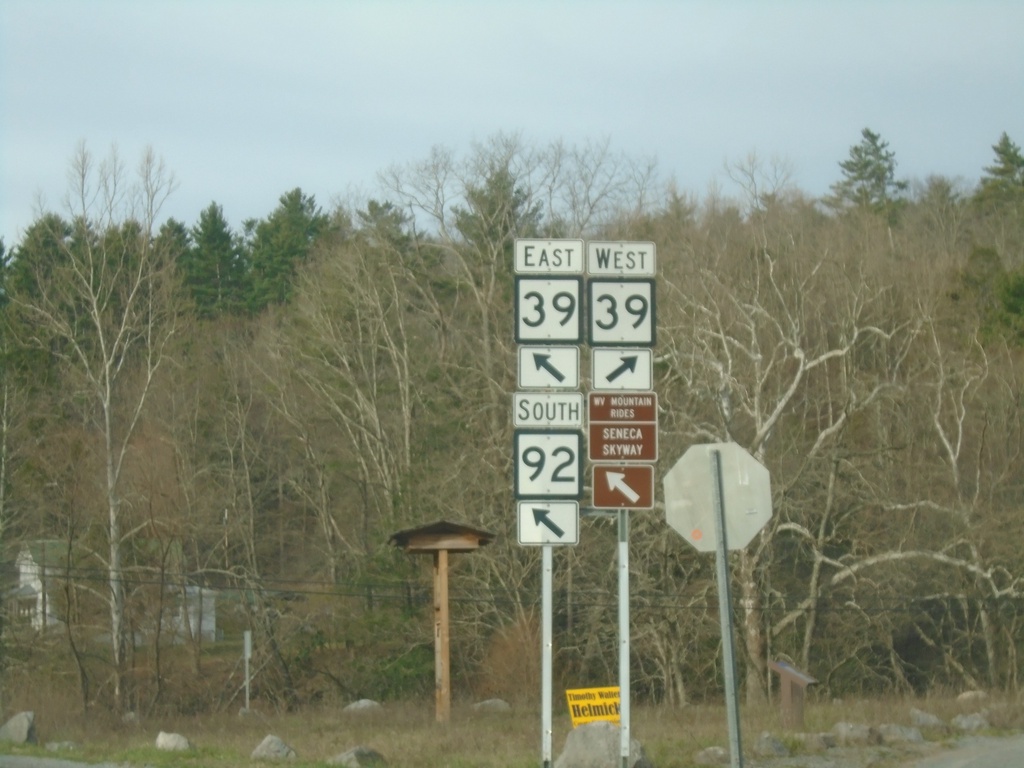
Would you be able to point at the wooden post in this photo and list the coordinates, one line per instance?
(442, 674)
(440, 538)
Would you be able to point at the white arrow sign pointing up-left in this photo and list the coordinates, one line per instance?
(617, 482)
(549, 367)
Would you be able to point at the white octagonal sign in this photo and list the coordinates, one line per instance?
(690, 499)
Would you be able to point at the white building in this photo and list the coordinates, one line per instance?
(201, 607)
(37, 565)
(40, 567)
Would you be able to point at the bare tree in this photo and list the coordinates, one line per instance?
(105, 308)
(358, 371)
(756, 334)
(969, 421)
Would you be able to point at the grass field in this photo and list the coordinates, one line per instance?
(408, 736)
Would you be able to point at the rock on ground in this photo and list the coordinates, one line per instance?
(856, 734)
(922, 719)
(273, 748)
(598, 745)
(359, 757)
(899, 734)
(21, 729)
(363, 706)
(816, 742)
(973, 722)
(172, 742)
(766, 745)
(712, 756)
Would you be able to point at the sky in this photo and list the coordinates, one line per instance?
(246, 100)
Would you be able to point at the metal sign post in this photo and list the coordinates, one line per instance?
(545, 656)
(695, 505)
(622, 411)
(725, 613)
(619, 296)
(247, 654)
(547, 442)
(624, 637)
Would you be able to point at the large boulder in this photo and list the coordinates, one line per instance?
(20, 729)
(172, 742)
(598, 745)
(273, 748)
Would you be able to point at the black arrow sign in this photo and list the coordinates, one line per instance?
(628, 364)
(540, 517)
(543, 362)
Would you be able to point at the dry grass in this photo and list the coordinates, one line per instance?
(409, 737)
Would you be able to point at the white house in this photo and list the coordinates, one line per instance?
(201, 605)
(37, 565)
(39, 568)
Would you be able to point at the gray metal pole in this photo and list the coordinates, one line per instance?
(725, 613)
(246, 653)
(624, 637)
(545, 656)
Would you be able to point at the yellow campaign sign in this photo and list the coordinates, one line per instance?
(587, 705)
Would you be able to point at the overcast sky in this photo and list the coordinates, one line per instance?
(247, 100)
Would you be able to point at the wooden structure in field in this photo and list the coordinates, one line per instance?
(792, 686)
(439, 539)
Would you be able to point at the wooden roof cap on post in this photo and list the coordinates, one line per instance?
(441, 535)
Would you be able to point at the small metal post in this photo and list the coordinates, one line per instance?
(545, 655)
(725, 613)
(624, 636)
(247, 654)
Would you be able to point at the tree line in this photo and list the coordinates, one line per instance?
(256, 412)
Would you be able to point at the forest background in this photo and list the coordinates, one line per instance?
(256, 412)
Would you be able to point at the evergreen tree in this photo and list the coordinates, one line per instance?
(1003, 182)
(214, 272)
(40, 251)
(279, 244)
(496, 213)
(385, 224)
(869, 178)
(174, 238)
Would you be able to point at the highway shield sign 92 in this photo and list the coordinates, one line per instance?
(548, 464)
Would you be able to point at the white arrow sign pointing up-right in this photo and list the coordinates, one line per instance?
(614, 369)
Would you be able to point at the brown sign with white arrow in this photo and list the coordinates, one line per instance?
(623, 486)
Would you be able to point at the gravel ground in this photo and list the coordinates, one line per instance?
(967, 752)
(851, 757)
(979, 752)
